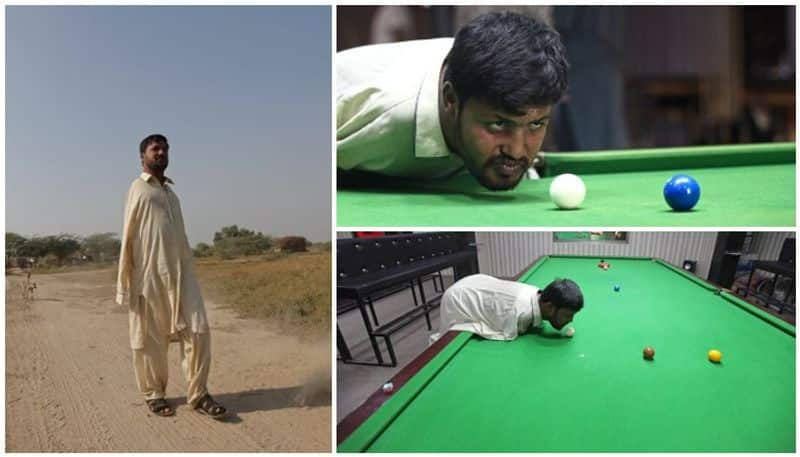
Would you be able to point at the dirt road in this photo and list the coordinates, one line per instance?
(70, 384)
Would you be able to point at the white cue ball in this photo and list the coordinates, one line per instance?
(567, 191)
(388, 388)
(570, 332)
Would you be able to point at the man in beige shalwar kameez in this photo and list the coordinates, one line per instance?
(157, 281)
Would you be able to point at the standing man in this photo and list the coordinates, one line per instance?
(156, 280)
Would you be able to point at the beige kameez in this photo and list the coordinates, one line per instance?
(493, 308)
(156, 279)
(387, 110)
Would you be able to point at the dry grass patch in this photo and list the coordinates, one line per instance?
(292, 289)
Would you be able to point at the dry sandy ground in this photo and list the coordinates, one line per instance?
(70, 384)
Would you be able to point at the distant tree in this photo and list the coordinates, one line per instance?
(62, 246)
(14, 242)
(203, 250)
(233, 241)
(59, 247)
(233, 231)
(34, 247)
(101, 246)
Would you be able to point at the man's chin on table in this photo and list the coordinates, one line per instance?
(502, 174)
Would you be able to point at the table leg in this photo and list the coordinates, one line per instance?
(424, 303)
(372, 310)
(373, 341)
(341, 345)
(392, 357)
(414, 294)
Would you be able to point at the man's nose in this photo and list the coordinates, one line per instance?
(516, 147)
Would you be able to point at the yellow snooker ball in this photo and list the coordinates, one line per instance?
(714, 356)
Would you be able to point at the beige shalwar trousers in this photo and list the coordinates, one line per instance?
(150, 363)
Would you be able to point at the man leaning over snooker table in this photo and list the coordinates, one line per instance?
(502, 310)
(428, 109)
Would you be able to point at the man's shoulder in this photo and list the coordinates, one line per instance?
(139, 188)
(138, 183)
(402, 64)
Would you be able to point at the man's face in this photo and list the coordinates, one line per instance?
(562, 317)
(498, 147)
(156, 157)
(558, 317)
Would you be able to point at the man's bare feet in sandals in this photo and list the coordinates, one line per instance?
(211, 408)
(160, 407)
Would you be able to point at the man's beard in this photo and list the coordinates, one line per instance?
(157, 165)
(478, 173)
(499, 186)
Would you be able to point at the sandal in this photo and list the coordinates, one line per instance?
(160, 407)
(209, 407)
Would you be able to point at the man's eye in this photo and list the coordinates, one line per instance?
(498, 126)
(536, 125)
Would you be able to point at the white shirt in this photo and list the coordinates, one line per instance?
(492, 308)
(156, 266)
(387, 110)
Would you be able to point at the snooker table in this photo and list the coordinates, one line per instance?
(544, 392)
(750, 185)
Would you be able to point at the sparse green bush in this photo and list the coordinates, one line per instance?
(101, 247)
(203, 250)
(233, 241)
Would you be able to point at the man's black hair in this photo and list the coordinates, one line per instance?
(563, 293)
(150, 139)
(511, 61)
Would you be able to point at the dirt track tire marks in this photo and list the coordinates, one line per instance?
(70, 384)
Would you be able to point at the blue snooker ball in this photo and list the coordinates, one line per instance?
(616, 288)
(682, 192)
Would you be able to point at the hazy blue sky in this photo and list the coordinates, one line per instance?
(242, 93)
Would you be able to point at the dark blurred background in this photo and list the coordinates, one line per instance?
(640, 76)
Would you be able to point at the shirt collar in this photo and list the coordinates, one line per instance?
(429, 138)
(147, 177)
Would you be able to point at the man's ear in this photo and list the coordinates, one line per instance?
(449, 98)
